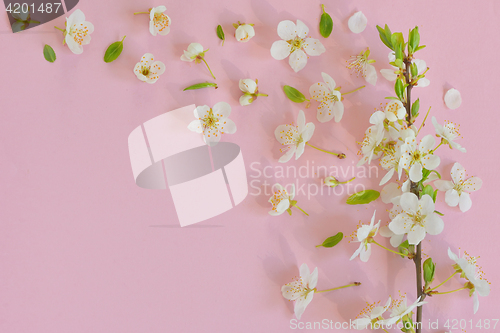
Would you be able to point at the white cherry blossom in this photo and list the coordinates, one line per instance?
(159, 22)
(361, 65)
(281, 199)
(415, 158)
(295, 44)
(401, 310)
(365, 235)
(77, 31)
(391, 74)
(370, 316)
(330, 99)
(244, 32)
(213, 122)
(458, 189)
(417, 218)
(453, 99)
(449, 132)
(301, 290)
(148, 70)
(294, 137)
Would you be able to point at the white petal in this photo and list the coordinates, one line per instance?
(301, 121)
(313, 47)
(280, 50)
(195, 48)
(301, 304)
(313, 279)
(396, 240)
(338, 111)
(386, 232)
(476, 302)
(280, 130)
(73, 45)
(465, 202)
(283, 206)
(401, 224)
(472, 184)
(390, 191)
(298, 60)
(195, 126)
(434, 225)
(371, 74)
(301, 29)
(330, 82)
(377, 117)
(428, 142)
(222, 110)
(421, 65)
(147, 60)
(227, 126)
(308, 132)
(443, 185)
(457, 173)
(300, 150)
(248, 85)
(416, 235)
(365, 253)
(423, 82)
(482, 287)
(76, 18)
(246, 100)
(319, 91)
(288, 155)
(452, 198)
(287, 30)
(389, 74)
(409, 202)
(361, 323)
(357, 252)
(304, 272)
(416, 172)
(325, 113)
(357, 22)
(157, 68)
(431, 162)
(452, 99)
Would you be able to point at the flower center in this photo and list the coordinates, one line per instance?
(210, 121)
(161, 21)
(78, 32)
(418, 219)
(296, 43)
(453, 129)
(145, 71)
(357, 64)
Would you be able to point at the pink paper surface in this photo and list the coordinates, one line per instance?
(84, 249)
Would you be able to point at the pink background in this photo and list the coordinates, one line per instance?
(83, 249)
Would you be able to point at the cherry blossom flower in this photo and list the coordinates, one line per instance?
(449, 132)
(148, 70)
(294, 137)
(301, 290)
(213, 122)
(331, 99)
(281, 199)
(373, 137)
(415, 159)
(401, 309)
(417, 218)
(357, 22)
(196, 53)
(295, 44)
(458, 189)
(361, 65)
(468, 269)
(159, 22)
(365, 236)
(250, 90)
(453, 99)
(244, 32)
(371, 316)
(23, 20)
(77, 31)
(395, 111)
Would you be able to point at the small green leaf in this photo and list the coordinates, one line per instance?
(394, 98)
(414, 70)
(385, 36)
(413, 40)
(415, 107)
(294, 95)
(398, 87)
(398, 50)
(332, 241)
(397, 38)
(220, 34)
(325, 23)
(428, 189)
(114, 51)
(48, 53)
(201, 86)
(429, 270)
(434, 196)
(363, 197)
(419, 48)
(404, 248)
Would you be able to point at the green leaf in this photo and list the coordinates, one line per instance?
(398, 50)
(429, 190)
(414, 70)
(404, 248)
(385, 36)
(325, 24)
(413, 40)
(363, 197)
(419, 48)
(398, 87)
(397, 38)
(434, 196)
(294, 95)
(48, 53)
(439, 213)
(415, 107)
(429, 270)
(114, 51)
(201, 86)
(394, 98)
(220, 34)
(332, 241)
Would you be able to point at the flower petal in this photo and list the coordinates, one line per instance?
(409, 202)
(196, 126)
(338, 111)
(313, 279)
(288, 155)
(330, 82)
(319, 91)
(195, 48)
(472, 184)
(431, 162)
(416, 235)
(201, 111)
(443, 185)
(324, 113)
(227, 126)
(287, 30)
(357, 252)
(248, 85)
(73, 45)
(465, 203)
(301, 304)
(416, 172)
(434, 225)
(300, 150)
(298, 60)
(221, 110)
(452, 99)
(157, 68)
(147, 60)
(366, 251)
(357, 22)
(389, 74)
(452, 198)
(308, 132)
(313, 47)
(458, 173)
(280, 50)
(246, 100)
(390, 191)
(301, 29)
